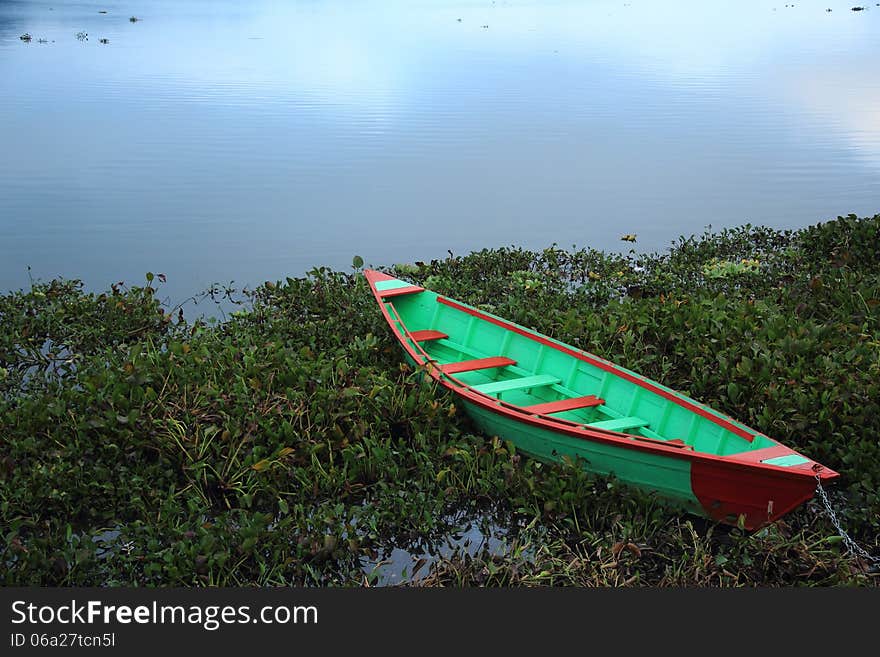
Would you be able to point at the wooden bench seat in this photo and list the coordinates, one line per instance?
(619, 424)
(428, 334)
(497, 387)
(397, 291)
(564, 405)
(476, 364)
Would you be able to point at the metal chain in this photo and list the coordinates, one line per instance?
(851, 546)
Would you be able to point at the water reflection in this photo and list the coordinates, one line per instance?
(466, 534)
(218, 141)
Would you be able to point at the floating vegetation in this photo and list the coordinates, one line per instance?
(291, 445)
(717, 268)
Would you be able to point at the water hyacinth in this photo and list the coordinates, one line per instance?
(291, 444)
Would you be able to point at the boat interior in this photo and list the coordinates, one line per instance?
(532, 375)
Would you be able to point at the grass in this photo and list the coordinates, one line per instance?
(289, 444)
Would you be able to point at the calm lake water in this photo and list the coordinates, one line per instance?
(215, 140)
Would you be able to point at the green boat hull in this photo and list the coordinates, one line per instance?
(554, 401)
(668, 477)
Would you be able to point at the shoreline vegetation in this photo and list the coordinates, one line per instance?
(290, 445)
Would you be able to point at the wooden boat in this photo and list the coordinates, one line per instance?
(552, 400)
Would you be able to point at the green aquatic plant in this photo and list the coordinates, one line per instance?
(716, 268)
(290, 444)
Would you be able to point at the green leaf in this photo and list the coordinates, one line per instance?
(733, 391)
(357, 262)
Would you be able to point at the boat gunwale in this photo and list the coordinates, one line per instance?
(809, 470)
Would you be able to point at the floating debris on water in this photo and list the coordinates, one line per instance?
(82, 36)
(26, 37)
(133, 19)
(104, 41)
